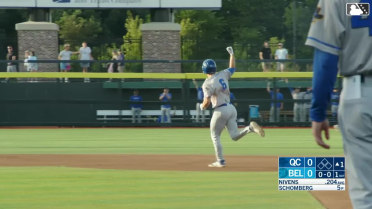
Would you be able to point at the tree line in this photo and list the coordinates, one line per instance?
(240, 23)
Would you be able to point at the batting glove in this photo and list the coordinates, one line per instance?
(201, 106)
(230, 50)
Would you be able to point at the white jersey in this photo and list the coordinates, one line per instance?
(349, 37)
(217, 88)
(281, 54)
(308, 96)
(65, 55)
(297, 96)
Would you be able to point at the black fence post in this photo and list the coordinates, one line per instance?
(185, 99)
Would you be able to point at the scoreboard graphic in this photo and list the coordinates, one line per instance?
(311, 173)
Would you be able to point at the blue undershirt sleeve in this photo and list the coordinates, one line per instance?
(232, 70)
(325, 74)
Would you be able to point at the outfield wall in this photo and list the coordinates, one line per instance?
(75, 103)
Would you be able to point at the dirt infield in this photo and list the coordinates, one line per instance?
(336, 199)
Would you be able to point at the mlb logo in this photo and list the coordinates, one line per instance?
(357, 9)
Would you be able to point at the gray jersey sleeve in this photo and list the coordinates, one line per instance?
(227, 74)
(348, 37)
(328, 26)
(207, 89)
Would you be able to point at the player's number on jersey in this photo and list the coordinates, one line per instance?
(223, 84)
(362, 22)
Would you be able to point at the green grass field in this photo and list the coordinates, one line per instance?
(281, 142)
(61, 187)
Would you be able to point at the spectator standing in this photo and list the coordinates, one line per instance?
(275, 107)
(12, 66)
(165, 108)
(121, 64)
(265, 54)
(65, 54)
(136, 106)
(32, 66)
(200, 97)
(113, 66)
(85, 55)
(281, 54)
(26, 64)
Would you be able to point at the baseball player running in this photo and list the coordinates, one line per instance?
(216, 91)
(345, 42)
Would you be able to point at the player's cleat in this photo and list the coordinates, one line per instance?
(254, 127)
(217, 164)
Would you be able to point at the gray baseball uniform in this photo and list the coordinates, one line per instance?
(224, 115)
(350, 38)
(297, 106)
(305, 113)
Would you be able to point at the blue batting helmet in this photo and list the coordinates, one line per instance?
(209, 66)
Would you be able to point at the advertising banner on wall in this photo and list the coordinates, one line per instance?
(67, 3)
(17, 3)
(129, 3)
(206, 4)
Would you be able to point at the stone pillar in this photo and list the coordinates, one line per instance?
(161, 41)
(42, 38)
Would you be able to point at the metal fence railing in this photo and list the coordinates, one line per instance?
(187, 66)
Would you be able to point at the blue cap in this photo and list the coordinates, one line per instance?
(209, 66)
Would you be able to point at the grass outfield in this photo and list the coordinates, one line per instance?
(72, 188)
(282, 142)
(75, 188)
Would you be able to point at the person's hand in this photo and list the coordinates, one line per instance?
(202, 107)
(317, 129)
(230, 50)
